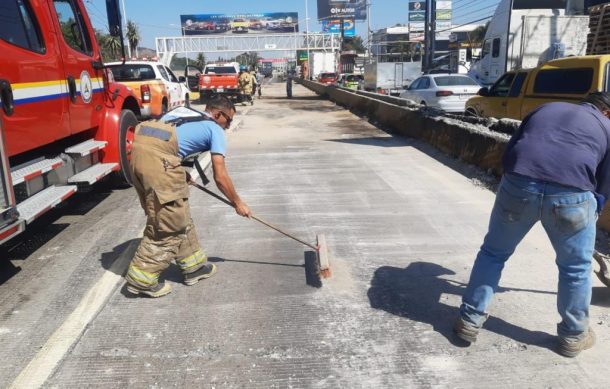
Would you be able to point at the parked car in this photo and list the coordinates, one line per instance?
(327, 78)
(240, 25)
(448, 92)
(156, 86)
(517, 93)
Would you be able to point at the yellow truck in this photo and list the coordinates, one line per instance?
(518, 92)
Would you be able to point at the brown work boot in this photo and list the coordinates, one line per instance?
(205, 271)
(159, 290)
(571, 348)
(466, 331)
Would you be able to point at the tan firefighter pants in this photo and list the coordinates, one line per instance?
(161, 184)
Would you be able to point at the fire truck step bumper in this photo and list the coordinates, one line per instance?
(87, 147)
(35, 170)
(93, 174)
(9, 231)
(43, 201)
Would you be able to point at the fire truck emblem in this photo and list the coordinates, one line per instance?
(86, 87)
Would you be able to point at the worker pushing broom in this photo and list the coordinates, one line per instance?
(159, 149)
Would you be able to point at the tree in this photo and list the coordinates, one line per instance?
(354, 44)
(113, 46)
(478, 34)
(133, 36)
(248, 59)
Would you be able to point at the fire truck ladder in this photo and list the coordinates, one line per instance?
(167, 47)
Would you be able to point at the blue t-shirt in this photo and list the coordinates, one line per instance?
(563, 143)
(196, 137)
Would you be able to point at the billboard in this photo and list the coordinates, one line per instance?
(261, 23)
(331, 9)
(334, 27)
(443, 5)
(443, 14)
(417, 6)
(417, 15)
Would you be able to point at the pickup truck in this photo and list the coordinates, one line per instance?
(154, 84)
(518, 92)
(219, 79)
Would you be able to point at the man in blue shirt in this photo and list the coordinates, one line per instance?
(162, 185)
(556, 171)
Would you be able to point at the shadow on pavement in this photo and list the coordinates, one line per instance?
(415, 293)
(601, 296)
(372, 141)
(7, 270)
(126, 248)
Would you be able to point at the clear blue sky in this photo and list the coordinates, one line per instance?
(156, 18)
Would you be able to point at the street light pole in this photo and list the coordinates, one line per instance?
(125, 21)
(307, 39)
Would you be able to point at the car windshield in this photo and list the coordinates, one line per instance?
(220, 70)
(454, 81)
(354, 78)
(132, 72)
(327, 75)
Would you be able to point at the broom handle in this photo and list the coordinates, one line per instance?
(218, 197)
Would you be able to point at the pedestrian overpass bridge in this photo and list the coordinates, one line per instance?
(167, 47)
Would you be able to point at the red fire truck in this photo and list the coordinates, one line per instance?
(64, 122)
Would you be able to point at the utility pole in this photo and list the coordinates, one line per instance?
(125, 21)
(308, 75)
(368, 19)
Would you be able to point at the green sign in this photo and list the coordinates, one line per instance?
(302, 55)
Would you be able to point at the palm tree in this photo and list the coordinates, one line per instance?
(113, 44)
(133, 36)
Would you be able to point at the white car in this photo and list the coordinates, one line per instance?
(446, 91)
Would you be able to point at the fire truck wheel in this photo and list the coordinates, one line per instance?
(127, 127)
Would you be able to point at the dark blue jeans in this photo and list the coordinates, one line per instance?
(569, 218)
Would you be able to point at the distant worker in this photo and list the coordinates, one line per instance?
(259, 83)
(289, 77)
(255, 84)
(556, 171)
(161, 183)
(246, 85)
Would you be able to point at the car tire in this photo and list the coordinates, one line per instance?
(127, 126)
(163, 107)
(187, 101)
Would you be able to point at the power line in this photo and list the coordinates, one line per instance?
(465, 24)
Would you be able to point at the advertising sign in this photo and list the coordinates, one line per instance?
(417, 26)
(417, 6)
(443, 14)
(443, 5)
(443, 30)
(261, 23)
(334, 27)
(416, 36)
(417, 16)
(332, 9)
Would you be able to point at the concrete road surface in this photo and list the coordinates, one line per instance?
(403, 224)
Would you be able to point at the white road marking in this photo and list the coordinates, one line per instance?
(35, 374)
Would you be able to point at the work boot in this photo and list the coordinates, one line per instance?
(571, 348)
(159, 290)
(466, 331)
(206, 271)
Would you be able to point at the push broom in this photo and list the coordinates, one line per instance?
(322, 261)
